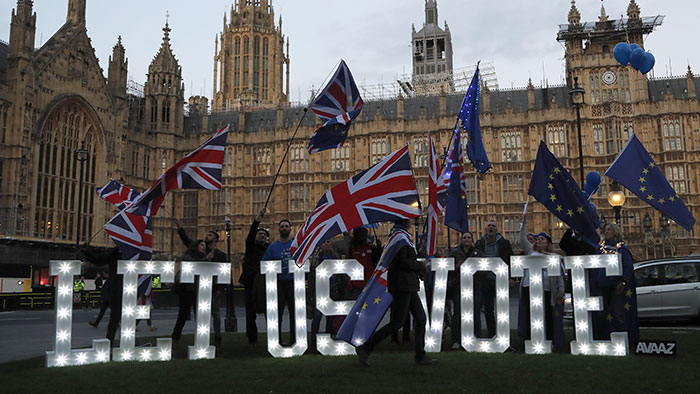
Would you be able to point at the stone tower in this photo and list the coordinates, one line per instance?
(164, 90)
(432, 52)
(22, 31)
(118, 70)
(249, 58)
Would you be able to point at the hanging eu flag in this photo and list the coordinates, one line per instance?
(636, 170)
(456, 206)
(554, 187)
(469, 115)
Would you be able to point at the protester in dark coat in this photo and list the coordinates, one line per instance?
(109, 258)
(492, 244)
(251, 279)
(405, 273)
(215, 255)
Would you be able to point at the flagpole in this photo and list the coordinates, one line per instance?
(274, 181)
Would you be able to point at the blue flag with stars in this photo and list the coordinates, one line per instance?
(554, 187)
(469, 115)
(636, 170)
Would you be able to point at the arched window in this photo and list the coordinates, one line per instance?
(60, 164)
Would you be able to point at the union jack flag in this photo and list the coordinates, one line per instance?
(337, 105)
(117, 194)
(373, 302)
(434, 207)
(384, 192)
(456, 207)
(200, 169)
(133, 234)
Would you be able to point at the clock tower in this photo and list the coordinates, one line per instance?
(589, 54)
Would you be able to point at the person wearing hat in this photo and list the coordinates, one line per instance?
(255, 245)
(553, 293)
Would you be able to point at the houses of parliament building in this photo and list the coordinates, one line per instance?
(66, 129)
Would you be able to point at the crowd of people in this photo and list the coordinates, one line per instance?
(404, 276)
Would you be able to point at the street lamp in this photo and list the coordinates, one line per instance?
(81, 155)
(577, 98)
(231, 322)
(616, 198)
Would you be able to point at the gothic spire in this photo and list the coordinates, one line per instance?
(574, 15)
(633, 11)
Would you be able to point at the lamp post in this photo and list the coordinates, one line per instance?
(577, 98)
(231, 322)
(81, 155)
(616, 198)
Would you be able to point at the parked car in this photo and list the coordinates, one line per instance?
(666, 289)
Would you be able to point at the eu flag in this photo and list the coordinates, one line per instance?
(469, 115)
(456, 205)
(554, 187)
(636, 170)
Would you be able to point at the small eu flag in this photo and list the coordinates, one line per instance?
(554, 187)
(636, 170)
(469, 115)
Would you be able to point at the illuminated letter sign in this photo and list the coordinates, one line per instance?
(583, 303)
(433, 331)
(270, 269)
(62, 353)
(501, 342)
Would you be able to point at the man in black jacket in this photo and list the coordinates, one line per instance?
(213, 255)
(492, 244)
(255, 245)
(405, 272)
(110, 258)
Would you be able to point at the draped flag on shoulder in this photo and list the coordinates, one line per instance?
(434, 207)
(456, 206)
(636, 170)
(469, 115)
(200, 169)
(384, 192)
(133, 234)
(337, 105)
(554, 188)
(375, 299)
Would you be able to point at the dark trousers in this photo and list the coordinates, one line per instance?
(103, 309)
(316, 323)
(251, 329)
(453, 293)
(216, 315)
(402, 303)
(185, 304)
(115, 317)
(484, 296)
(285, 297)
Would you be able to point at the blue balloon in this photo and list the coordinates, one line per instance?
(593, 178)
(634, 46)
(638, 58)
(648, 63)
(622, 53)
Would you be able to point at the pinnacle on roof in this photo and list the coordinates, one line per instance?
(165, 56)
(574, 15)
(603, 16)
(633, 11)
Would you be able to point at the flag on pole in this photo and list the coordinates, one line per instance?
(384, 192)
(456, 207)
(469, 115)
(133, 234)
(373, 302)
(200, 169)
(636, 170)
(434, 207)
(554, 188)
(337, 105)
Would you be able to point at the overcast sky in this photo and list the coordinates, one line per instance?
(373, 36)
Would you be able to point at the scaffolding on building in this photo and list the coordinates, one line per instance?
(410, 85)
(134, 88)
